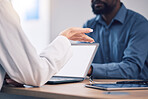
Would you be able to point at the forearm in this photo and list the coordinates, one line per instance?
(25, 66)
(115, 71)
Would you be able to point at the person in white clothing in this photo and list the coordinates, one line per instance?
(19, 59)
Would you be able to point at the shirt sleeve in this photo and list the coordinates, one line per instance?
(20, 59)
(134, 58)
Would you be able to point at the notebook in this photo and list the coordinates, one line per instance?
(76, 69)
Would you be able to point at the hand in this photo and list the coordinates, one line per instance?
(78, 34)
(90, 71)
(11, 82)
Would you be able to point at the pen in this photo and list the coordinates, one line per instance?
(94, 82)
(91, 79)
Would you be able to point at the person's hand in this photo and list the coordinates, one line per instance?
(11, 82)
(78, 34)
(90, 71)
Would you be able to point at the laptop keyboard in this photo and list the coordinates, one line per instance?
(61, 78)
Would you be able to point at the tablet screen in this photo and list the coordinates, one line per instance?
(117, 86)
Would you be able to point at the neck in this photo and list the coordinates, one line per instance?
(108, 17)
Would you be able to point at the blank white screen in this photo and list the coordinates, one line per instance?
(79, 63)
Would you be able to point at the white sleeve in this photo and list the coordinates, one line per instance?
(19, 58)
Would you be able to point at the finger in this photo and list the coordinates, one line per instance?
(87, 38)
(86, 30)
(83, 39)
(82, 30)
(14, 83)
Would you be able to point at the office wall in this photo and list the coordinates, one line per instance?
(139, 6)
(68, 13)
(36, 27)
(74, 13)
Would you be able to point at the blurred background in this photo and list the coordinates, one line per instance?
(43, 20)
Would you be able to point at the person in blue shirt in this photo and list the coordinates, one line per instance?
(122, 35)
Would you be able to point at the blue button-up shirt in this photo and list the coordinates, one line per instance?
(123, 46)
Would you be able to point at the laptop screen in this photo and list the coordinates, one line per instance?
(80, 62)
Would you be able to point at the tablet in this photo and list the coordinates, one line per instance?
(111, 87)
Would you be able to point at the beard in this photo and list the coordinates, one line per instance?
(99, 7)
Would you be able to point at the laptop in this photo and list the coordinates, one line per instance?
(76, 69)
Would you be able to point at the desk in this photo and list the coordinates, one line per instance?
(74, 91)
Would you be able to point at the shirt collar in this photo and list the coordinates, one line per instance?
(120, 16)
